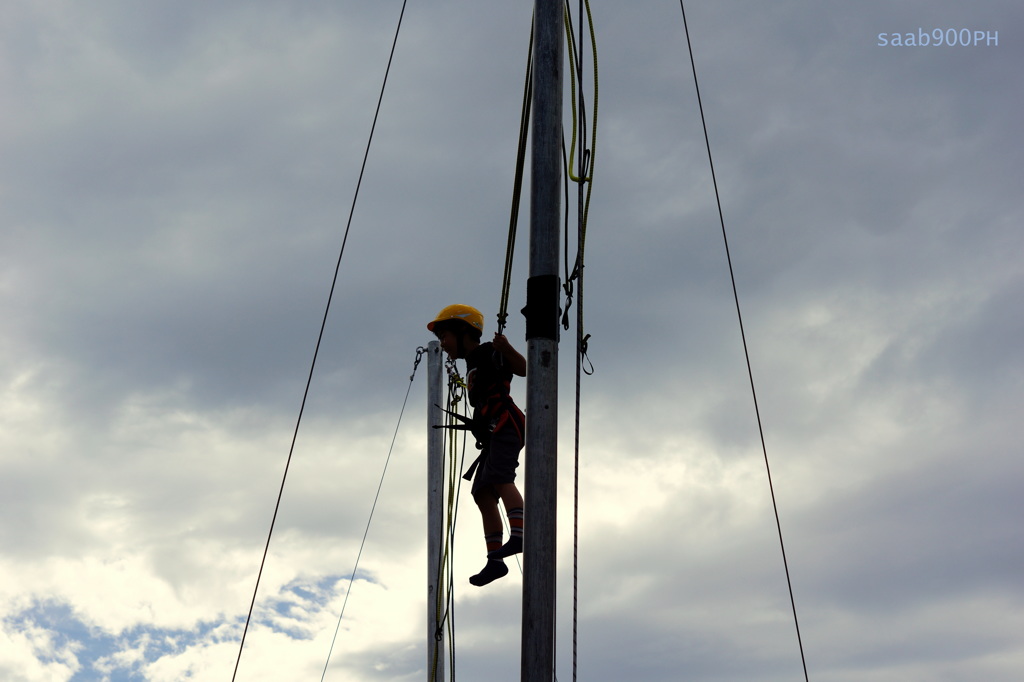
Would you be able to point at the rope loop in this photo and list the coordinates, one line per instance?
(584, 357)
(568, 289)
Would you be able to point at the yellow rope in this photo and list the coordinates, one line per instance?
(572, 83)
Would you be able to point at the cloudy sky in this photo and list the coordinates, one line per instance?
(175, 181)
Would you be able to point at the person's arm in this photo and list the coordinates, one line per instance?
(516, 362)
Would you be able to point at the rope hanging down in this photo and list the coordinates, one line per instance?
(743, 336)
(585, 177)
(316, 351)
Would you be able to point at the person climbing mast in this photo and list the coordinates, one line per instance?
(498, 425)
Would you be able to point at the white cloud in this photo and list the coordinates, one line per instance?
(175, 182)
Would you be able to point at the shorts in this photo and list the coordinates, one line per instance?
(499, 459)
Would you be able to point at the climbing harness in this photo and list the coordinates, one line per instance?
(494, 410)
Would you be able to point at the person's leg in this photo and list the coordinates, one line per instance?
(513, 501)
(495, 568)
(510, 495)
(487, 503)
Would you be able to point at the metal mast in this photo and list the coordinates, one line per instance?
(542, 312)
(435, 510)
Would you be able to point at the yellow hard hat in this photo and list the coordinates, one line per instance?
(466, 313)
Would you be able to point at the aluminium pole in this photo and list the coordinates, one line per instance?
(435, 510)
(542, 312)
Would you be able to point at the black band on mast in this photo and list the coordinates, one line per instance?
(542, 311)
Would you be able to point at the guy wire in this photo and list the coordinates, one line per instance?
(743, 336)
(351, 579)
(316, 351)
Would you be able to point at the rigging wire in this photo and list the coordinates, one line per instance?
(351, 579)
(316, 351)
(746, 352)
